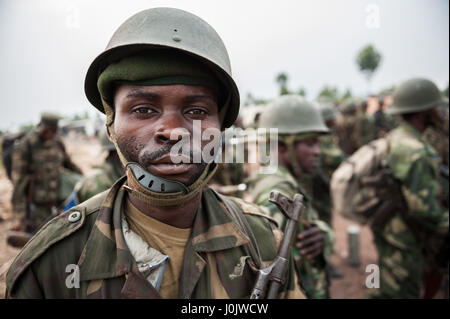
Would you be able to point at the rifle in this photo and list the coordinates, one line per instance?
(270, 279)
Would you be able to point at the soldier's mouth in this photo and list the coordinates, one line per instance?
(167, 165)
(169, 168)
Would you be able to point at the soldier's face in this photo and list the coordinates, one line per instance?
(47, 132)
(308, 154)
(148, 120)
(436, 118)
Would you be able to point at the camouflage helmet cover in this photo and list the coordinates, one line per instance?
(415, 95)
(167, 28)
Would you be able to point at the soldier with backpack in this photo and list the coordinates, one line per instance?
(40, 172)
(392, 184)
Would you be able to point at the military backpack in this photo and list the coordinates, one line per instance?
(363, 188)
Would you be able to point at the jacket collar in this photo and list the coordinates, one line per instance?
(106, 254)
(408, 128)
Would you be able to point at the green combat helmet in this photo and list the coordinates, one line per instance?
(293, 114)
(415, 95)
(49, 118)
(348, 106)
(328, 111)
(296, 119)
(171, 29)
(188, 45)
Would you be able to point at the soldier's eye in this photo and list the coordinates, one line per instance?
(143, 110)
(197, 112)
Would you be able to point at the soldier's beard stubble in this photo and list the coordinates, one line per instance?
(132, 151)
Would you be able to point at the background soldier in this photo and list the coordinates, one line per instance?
(101, 179)
(331, 156)
(347, 124)
(299, 125)
(158, 232)
(409, 237)
(41, 170)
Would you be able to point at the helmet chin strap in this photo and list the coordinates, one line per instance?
(152, 189)
(158, 191)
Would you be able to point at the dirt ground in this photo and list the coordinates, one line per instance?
(86, 154)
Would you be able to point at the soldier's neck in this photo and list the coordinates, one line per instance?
(418, 122)
(180, 216)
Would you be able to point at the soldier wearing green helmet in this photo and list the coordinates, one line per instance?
(299, 124)
(331, 154)
(159, 232)
(409, 239)
(41, 171)
(354, 127)
(347, 126)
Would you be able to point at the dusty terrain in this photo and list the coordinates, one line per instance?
(87, 153)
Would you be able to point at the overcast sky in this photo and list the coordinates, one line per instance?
(47, 45)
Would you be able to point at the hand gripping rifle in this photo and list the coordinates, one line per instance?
(270, 279)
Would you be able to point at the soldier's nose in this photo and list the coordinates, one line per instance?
(170, 131)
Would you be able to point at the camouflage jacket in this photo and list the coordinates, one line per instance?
(89, 237)
(413, 163)
(317, 187)
(312, 273)
(100, 180)
(37, 165)
(331, 155)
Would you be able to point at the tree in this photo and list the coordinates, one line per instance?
(347, 95)
(329, 93)
(368, 60)
(282, 79)
(387, 91)
(251, 100)
(301, 91)
(445, 92)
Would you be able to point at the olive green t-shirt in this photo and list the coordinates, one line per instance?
(168, 240)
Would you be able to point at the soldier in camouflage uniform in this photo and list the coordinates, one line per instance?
(354, 127)
(438, 138)
(403, 242)
(39, 161)
(331, 155)
(299, 125)
(158, 232)
(101, 179)
(346, 127)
